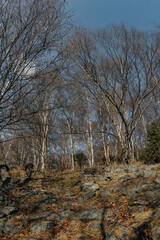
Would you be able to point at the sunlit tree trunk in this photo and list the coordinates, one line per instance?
(44, 133)
(70, 128)
(88, 97)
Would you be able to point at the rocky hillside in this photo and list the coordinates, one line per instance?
(117, 202)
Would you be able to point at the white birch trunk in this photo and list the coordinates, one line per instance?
(104, 144)
(91, 142)
(43, 154)
(87, 149)
(90, 131)
(108, 150)
(71, 141)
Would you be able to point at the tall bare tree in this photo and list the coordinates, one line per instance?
(30, 32)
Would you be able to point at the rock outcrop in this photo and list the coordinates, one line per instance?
(116, 202)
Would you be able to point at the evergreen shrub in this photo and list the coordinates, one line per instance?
(151, 153)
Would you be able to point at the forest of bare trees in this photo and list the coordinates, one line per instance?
(66, 91)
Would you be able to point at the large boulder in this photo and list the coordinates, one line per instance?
(90, 186)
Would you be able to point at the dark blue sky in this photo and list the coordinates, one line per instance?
(143, 14)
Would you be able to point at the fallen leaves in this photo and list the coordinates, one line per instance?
(117, 232)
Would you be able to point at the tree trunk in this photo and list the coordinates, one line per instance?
(43, 154)
(72, 152)
(91, 143)
(87, 150)
(106, 149)
(90, 131)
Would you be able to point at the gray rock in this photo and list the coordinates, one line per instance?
(149, 167)
(42, 227)
(88, 195)
(107, 169)
(155, 194)
(104, 194)
(7, 228)
(90, 186)
(148, 173)
(135, 208)
(106, 177)
(60, 216)
(125, 178)
(133, 168)
(118, 170)
(91, 214)
(7, 211)
(157, 180)
(11, 228)
(136, 189)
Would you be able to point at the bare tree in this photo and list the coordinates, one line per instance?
(30, 32)
(42, 115)
(122, 68)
